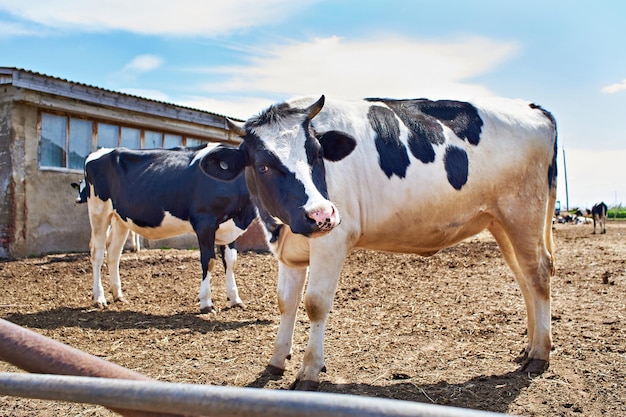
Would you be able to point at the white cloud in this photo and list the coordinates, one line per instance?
(614, 88)
(137, 66)
(143, 63)
(10, 29)
(181, 17)
(389, 66)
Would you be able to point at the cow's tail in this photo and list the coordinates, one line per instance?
(552, 180)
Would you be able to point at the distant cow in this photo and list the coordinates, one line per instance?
(598, 211)
(159, 194)
(396, 175)
(135, 239)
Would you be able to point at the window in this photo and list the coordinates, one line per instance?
(108, 135)
(171, 141)
(131, 138)
(66, 141)
(80, 143)
(153, 140)
(193, 142)
(53, 133)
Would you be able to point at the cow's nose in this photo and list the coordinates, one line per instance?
(326, 217)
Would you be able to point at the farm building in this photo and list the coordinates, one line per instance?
(49, 125)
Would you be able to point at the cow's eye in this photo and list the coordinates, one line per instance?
(262, 168)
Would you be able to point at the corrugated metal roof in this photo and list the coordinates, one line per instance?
(36, 81)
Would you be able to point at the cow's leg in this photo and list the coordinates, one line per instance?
(326, 263)
(206, 241)
(290, 285)
(99, 219)
(525, 249)
(229, 257)
(115, 246)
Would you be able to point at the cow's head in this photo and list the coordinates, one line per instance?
(83, 191)
(284, 161)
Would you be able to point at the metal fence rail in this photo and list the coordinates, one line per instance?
(205, 400)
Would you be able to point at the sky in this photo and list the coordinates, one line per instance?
(237, 57)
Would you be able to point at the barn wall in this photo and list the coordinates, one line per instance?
(6, 228)
(46, 217)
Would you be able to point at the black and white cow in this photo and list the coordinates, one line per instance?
(159, 194)
(598, 211)
(411, 176)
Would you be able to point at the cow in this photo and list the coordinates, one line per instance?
(158, 194)
(598, 211)
(135, 239)
(412, 176)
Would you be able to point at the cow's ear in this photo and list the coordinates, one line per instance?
(224, 163)
(337, 145)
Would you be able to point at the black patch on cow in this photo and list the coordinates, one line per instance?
(461, 117)
(457, 166)
(425, 131)
(393, 157)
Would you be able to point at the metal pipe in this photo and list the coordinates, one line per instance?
(217, 400)
(35, 353)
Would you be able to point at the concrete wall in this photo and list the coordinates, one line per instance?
(6, 194)
(45, 216)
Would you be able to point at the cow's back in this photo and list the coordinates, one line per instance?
(431, 205)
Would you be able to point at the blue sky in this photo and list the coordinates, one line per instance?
(236, 57)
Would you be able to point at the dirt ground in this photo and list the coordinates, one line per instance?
(443, 329)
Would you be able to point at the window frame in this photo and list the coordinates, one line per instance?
(95, 122)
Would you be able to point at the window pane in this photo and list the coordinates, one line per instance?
(194, 142)
(80, 142)
(152, 140)
(107, 135)
(131, 138)
(53, 131)
(170, 141)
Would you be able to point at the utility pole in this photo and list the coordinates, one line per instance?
(566, 191)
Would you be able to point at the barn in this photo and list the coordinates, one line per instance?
(49, 125)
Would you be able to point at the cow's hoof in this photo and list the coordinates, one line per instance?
(100, 304)
(208, 310)
(273, 370)
(239, 305)
(534, 366)
(122, 300)
(304, 385)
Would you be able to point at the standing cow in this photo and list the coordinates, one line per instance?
(159, 194)
(598, 211)
(396, 175)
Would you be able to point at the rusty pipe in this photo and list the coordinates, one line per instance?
(35, 353)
